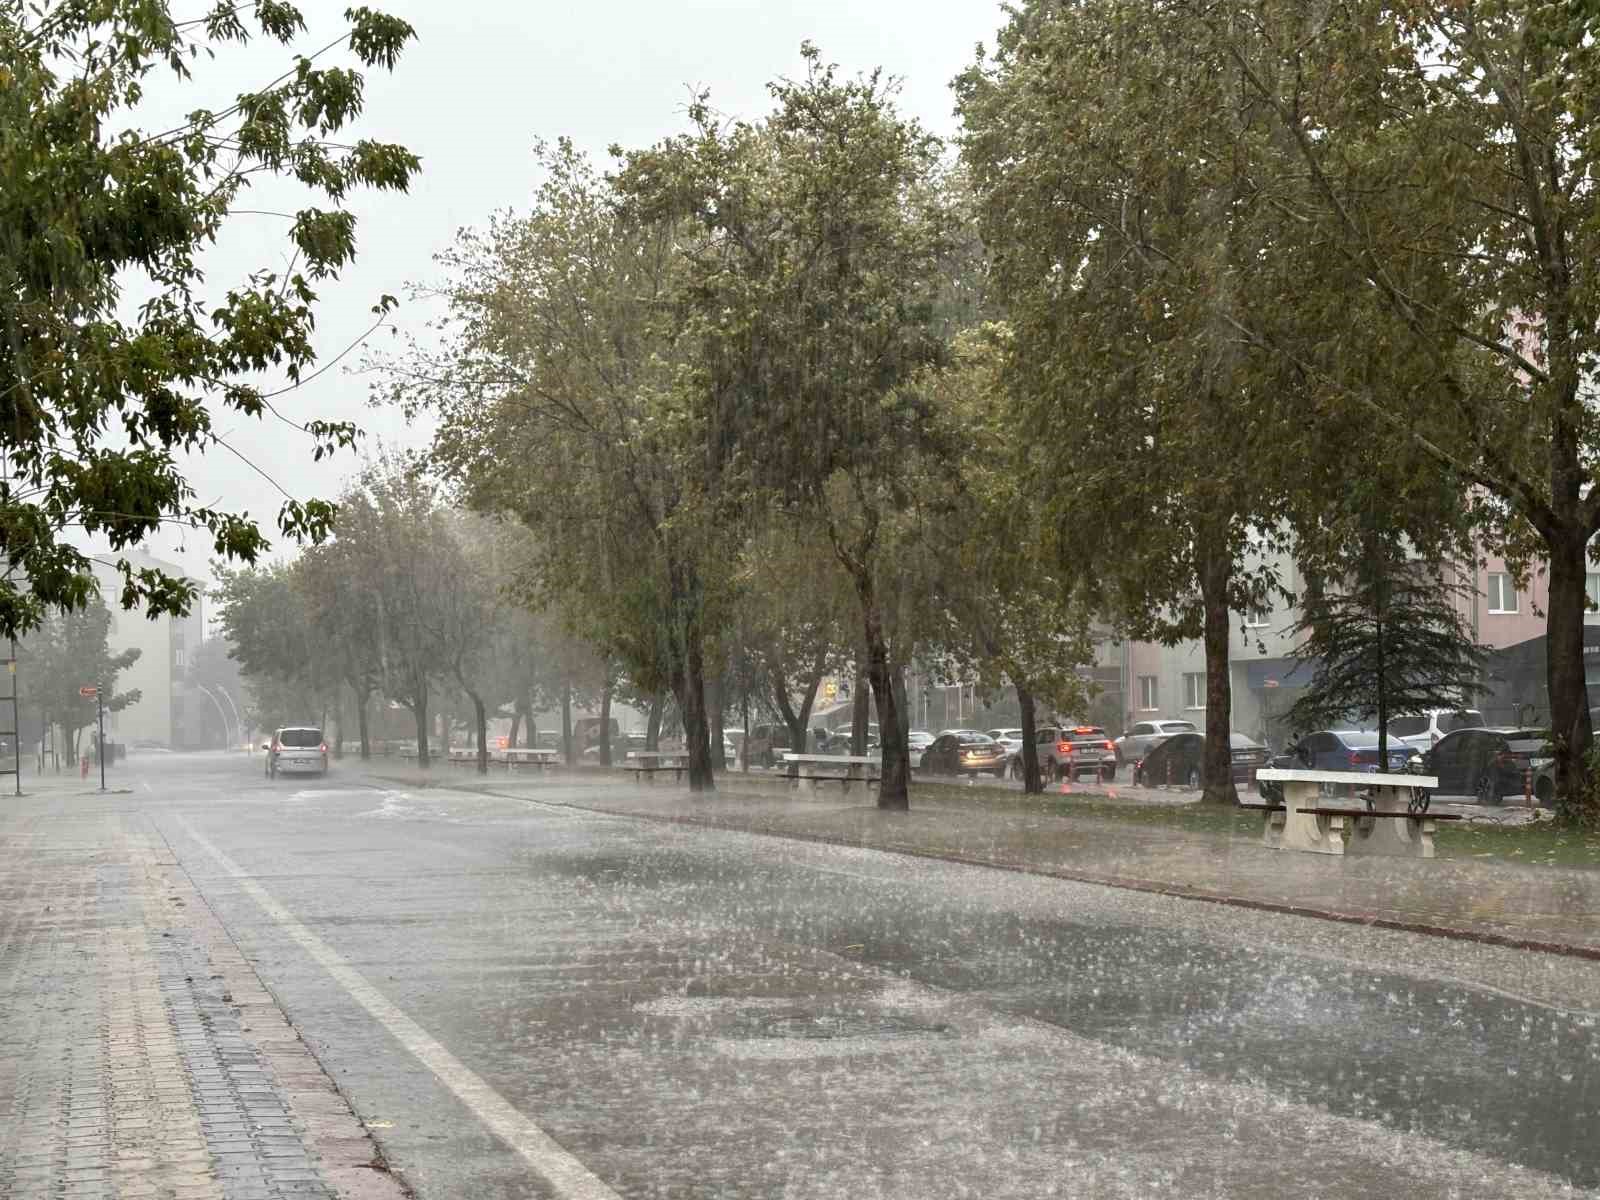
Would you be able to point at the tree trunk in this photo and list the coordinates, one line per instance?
(566, 724)
(860, 714)
(1569, 697)
(1032, 781)
(605, 724)
(516, 727)
(480, 717)
(895, 759)
(744, 739)
(652, 729)
(689, 685)
(1216, 570)
(338, 731)
(364, 724)
(421, 713)
(714, 705)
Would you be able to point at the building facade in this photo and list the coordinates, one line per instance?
(162, 715)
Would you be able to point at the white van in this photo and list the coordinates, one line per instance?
(1424, 731)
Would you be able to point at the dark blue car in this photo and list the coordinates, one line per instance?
(1353, 750)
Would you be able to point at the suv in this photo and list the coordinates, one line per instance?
(297, 748)
(1424, 731)
(1145, 736)
(1065, 753)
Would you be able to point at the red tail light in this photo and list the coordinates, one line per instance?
(1110, 745)
(324, 747)
(1355, 758)
(1063, 747)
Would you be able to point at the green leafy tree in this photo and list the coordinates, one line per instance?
(262, 613)
(814, 248)
(564, 400)
(68, 651)
(1110, 165)
(97, 410)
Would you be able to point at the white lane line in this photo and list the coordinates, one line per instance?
(568, 1177)
(147, 786)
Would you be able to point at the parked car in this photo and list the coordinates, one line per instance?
(968, 753)
(1178, 759)
(1353, 750)
(918, 740)
(297, 749)
(1145, 736)
(768, 744)
(1488, 764)
(1078, 750)
(1426, 730)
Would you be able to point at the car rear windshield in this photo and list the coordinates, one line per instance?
(976, 739)
(1408, 726)
(1469, 718)
(1088, 735)
(300, 739)
(1177, 727)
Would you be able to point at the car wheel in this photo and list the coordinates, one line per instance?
(1545, 792)
(1194, 779)
(1109, 773)
(1486, 791)
(767, 760)
(1016, 769)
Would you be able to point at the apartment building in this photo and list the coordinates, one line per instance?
(1170, 681)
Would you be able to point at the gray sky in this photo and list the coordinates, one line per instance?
(484, 80)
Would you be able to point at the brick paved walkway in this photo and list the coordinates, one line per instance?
(139, 1054)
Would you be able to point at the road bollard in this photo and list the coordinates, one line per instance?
(1169, 772)
(1527, 787)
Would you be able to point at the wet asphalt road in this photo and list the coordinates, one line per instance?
(696, 1013)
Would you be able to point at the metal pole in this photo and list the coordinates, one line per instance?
(238, 721)
(100, 719)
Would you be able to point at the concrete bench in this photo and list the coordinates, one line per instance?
(1393, 824)
(857, 769)
(523, 756)
(645, 763)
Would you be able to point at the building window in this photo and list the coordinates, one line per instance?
(1591, 589)
(1149, 697)
(1502, 594)
(1194, 689)
(1258, 618)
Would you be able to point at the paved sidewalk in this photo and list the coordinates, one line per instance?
(1542, 908)
(139, 1054)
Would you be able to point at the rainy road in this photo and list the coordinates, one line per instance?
(505, 989)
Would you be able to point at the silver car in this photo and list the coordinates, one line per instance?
(1145, 736)
(297, 749)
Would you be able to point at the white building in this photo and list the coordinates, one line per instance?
(161, 715)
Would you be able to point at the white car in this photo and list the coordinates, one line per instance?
(297, 748)
(1010, 741)
(1424, 731)
(1145, 736)
(917, 741)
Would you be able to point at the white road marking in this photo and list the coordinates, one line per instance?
(147, 786)
(569, 1178)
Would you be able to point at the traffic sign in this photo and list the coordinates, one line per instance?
(88, 691)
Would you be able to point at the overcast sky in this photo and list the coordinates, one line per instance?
(483, 80)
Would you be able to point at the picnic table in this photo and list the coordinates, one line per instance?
(645, 763)
(857, 769)
(1390, 818)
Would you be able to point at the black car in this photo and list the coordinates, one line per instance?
(1178, 760)
(964, 754)
(1487, 764)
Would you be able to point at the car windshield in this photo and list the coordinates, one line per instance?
(1176, 726)
(300, 739)
(1467, 718)
(977, 739)
(1088, 735)
(1363, 740)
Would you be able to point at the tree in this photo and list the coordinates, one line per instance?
(1430, 167)
(69, 651)
(565, 400)
(262, 613)
(99, 214)
(1110, 164)
(1387, 640)
(813, 251)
